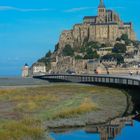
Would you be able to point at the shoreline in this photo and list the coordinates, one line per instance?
(77, 123)
(19, 82)
(106, 113)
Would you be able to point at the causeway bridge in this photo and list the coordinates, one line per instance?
(108, 80)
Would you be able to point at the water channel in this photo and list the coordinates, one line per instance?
(124, 128)
(118, 129)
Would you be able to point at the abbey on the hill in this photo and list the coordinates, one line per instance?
(105, 27)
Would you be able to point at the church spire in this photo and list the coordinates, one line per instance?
(101, 5)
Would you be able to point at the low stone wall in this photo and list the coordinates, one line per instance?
(122, 70)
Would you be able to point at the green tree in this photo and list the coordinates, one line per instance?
(78, 57)
(68, 51)
(95, 55)
(136, 43)
(82, 49)
(124, 37)
(118, 39)
(119, 48)
(103, 45)
(46, 59)
(48, 54)
(118, 57)
(90, 54)
(92, 44)
(56, 47)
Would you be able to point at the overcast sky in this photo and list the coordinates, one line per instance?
(29, 28)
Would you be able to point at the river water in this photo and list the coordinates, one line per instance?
(117, 129)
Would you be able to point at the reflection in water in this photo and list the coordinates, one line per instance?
(107, 131)
(111, 129)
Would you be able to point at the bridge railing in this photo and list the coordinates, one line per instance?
(106, 79)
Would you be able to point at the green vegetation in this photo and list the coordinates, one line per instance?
(89, 46)
(48, 54)
(23, 111)
(86, 106)
(46, 60)
(103, 45)
(119, 48)
(56, 47)
(90, 50)
(136, 43)
(92, 44)
(68, 51)
(90, 54)
(44, 102)
(77, 57)
(118, 57)
(22, 129)
(82, 49)
(125, 38)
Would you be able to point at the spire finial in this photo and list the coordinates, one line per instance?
(101, 5)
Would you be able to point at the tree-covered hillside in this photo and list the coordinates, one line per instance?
(89, 50)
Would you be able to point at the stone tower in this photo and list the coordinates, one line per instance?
(105, 27)
(101, 12)
(25, 71)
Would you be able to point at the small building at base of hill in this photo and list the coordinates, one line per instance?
(25, 71)
(38, 68)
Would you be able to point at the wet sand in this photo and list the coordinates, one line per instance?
(21, 82)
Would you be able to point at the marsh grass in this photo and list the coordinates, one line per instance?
(23, 129)
(54, 100)
(84, 107)
(29, 106)
(47, 103)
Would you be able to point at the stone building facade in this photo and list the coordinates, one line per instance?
(105, 27)
(38, 67)
(69, 64)
(104, 51)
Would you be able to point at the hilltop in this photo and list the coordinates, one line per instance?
(99, 43)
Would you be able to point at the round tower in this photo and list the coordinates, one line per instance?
(25, 71)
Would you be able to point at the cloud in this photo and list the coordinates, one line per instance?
(78, 9)
(10, 8)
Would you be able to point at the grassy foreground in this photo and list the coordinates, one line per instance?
(23, 110)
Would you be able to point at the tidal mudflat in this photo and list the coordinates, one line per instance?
(29, 112)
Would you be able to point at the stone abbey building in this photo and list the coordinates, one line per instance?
(106, 27)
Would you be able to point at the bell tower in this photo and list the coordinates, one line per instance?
(101, 9)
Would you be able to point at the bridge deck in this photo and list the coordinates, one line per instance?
(126, 80)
